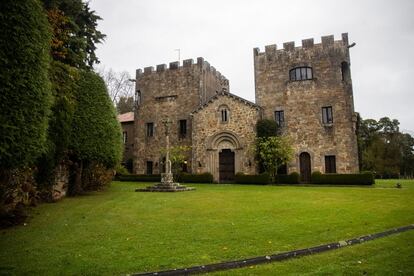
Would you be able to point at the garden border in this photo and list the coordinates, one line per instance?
(277, 257)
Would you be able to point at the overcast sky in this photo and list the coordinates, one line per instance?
(143, 33)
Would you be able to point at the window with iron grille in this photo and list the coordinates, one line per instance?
(150, 129)
(330, 164)
(327, 116)
(280, 117)
(301, 73)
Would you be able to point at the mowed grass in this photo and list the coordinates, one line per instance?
(120, 231)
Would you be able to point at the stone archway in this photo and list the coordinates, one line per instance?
(223, 156)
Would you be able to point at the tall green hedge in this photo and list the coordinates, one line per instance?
(96, 133)
(64, 79)
(25, 95)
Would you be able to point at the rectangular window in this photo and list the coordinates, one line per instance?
(330, 164)
(149, 167)
(280, 117)
(327, 117)
(183, 128)
(124, 137)
(150, 129)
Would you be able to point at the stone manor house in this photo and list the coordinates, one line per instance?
(307, 90)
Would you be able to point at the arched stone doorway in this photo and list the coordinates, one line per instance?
(223, 150)
(226, 165)
(305, 167)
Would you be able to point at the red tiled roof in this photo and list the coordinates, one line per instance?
(126, 117)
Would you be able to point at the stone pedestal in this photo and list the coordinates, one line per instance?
(167, 185)
(167, 182)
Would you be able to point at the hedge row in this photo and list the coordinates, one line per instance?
(292, 178)
(365, 178)
(195, 178)
(184, 178)
(261, 179)
(139, 178)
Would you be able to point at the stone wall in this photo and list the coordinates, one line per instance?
(302, 101)
(128, 127)
(210, 135)
(172, 92)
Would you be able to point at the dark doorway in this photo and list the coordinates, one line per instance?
(305, 167)
(226, 165)
(149, 167)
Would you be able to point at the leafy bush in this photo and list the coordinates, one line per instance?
(195, 178)
(121, 170)
(25, 96)
(261, 179)
(139, 178)
(365, 178)
(292, 178)
(266, 128)
(17, 191)
(96, 177)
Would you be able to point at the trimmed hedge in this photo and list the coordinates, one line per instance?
(96, 133)
(292, 178)
(139, 178)
(261, 179)
(25, 95)
(366, 178)
(195, 178)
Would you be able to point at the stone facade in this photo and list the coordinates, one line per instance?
(172, 93)
(211, 134)
(302, 101)
(128, 136)
(301, 83)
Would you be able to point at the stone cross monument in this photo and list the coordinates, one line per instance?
(167, 180)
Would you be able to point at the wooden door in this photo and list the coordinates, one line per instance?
(226, 165)
(305, 167)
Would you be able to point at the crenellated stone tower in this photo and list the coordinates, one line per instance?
(173, 93)
(308, 91)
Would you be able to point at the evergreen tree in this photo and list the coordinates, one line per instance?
(25, 96)
(96, 134)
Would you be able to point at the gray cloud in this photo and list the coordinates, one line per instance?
(147, 32)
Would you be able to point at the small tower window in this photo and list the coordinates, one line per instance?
(183, 128)
(150, 129)
(301, 73)
(345, 71)
(224, 114)
(124, 137)
(137, 98)
(327, 117)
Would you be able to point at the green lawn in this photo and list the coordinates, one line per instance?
(120, 231)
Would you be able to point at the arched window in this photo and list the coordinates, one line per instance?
(301, 73)
(224, 114)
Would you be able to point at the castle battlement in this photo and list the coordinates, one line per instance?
(326, 42)
(186, 64)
